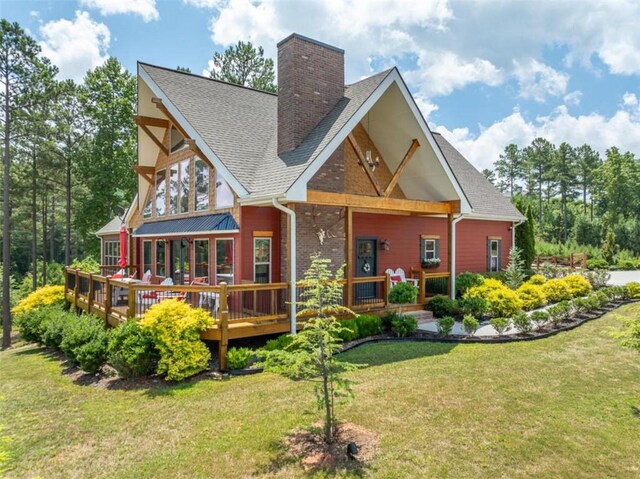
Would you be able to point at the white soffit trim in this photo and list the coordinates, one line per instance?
(132, 208)
(217, 163)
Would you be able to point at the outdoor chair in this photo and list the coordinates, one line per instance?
(398, 276)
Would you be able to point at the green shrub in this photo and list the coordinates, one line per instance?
(497, 275)
(597, 263)
(131, 350)
(368, 325)
(404, 325)
(349, 330)
(603, 298)
(53, 332)
(388, 318)
(633, 290)
(445, 325)
(557, 289)
(84, 342)
(175, 327)
(626, 264)
(470, 324)
(580, 305)
(88, 265)
(501, 325)
(476, 307)
(464, 281)
(532, 296)
(32, 323)
(577, 285)
(238, 358)
(558, 312)
(402, 293)
(597, 278)
(539, 318)
(522, 322)
(442, 305)
(500, 299)
(592, 302)
(280, 343)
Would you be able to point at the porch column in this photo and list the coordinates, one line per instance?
(348, 253)
(451, 251)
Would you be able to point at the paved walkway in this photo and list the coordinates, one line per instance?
(619, 278)
(485, 330)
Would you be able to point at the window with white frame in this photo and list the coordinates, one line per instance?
(261, 260)
(430, 249)
(224, 195)
(493, 255)
(201, 192)
(146, 256)
(111, 252)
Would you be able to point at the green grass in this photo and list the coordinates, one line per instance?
(562, 407)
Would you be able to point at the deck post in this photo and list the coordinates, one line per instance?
(66, 281)
(224, 328)
(451, 262)
(76, 290)
(131, 301)
(422, 285)
(107, 299)
(90, 298)
(387, 288)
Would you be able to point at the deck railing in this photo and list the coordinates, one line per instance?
(573, 261)
(254, 306)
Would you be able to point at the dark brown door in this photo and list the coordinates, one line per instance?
(366, 266)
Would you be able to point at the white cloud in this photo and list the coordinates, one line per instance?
(622, 129)
(538, 81)
(145, 8)
(441, 73)
(425, 106)
(204, 3)
(574, 98)
(75, 46)
(629, 99)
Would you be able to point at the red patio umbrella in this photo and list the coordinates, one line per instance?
(124, 247)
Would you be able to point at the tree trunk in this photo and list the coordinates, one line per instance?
(6, 223)
(34, 221)
(52, 232)
(67, 232)
(584, 198)
(44, 238)
(328, 417)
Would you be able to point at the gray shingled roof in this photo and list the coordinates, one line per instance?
(196, 224)
(112, 227)
(484, 198)
(240, 126)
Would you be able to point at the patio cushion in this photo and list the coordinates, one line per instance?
(396, 277)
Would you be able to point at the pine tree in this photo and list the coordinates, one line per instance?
(509, 169)
(244, 64)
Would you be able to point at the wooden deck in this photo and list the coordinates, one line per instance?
(239, 311)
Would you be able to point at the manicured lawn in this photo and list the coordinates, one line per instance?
(559, 407)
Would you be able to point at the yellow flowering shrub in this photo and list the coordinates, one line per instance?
(532, 296)
(556, 290)
(175, 327)
(501, 300)
(45, 296)
(633, 290)
(578, 285)
(537, 279)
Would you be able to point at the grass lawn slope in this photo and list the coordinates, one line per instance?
(562, 407)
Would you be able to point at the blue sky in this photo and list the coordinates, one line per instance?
(485, 73)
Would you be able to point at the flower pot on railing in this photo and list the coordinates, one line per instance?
(431, 263)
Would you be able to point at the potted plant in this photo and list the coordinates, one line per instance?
(431, 263)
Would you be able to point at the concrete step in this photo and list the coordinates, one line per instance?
(422, 316)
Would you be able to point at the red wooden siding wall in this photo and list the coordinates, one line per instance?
(471, 243)
(254, 219)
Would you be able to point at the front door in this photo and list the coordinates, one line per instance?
(180, 261)
(366, 266)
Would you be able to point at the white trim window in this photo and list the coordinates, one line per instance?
(224, 195)
(261, 260)
(147, 255)
(493, 255)
(111, 252)
(430, 249)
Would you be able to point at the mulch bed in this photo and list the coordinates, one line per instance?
(309, 447)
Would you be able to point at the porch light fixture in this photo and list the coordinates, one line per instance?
(367, 155)
(384, 245)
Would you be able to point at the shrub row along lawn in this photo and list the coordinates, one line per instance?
(562, 407)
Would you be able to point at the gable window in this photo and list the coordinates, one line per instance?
(111, 252)
(183, 192)
(494, 248)
(173, 189)
(161, 193)
(201, 259)
(261, 260)
(161, 264)
(177, 140)
(224, 195)
(202, 185)
(430, 251)
(146, 256)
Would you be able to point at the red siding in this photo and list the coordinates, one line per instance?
(252, 219)
(471, 243)
(403, 234)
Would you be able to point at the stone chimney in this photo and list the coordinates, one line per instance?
(310, 83)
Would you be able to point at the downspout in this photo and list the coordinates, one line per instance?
(513, 231)
(292, 266)
(453, 254)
